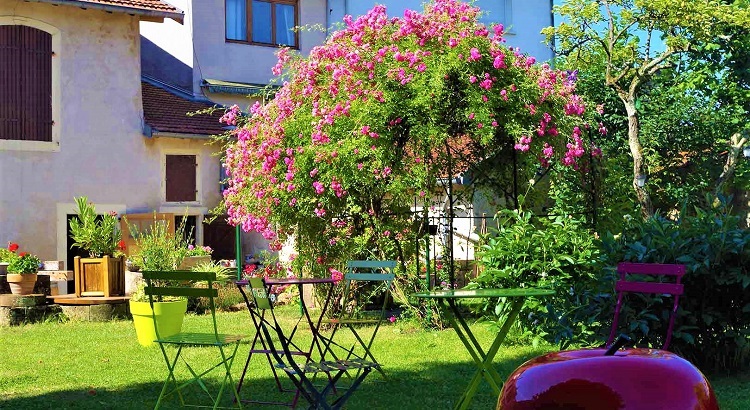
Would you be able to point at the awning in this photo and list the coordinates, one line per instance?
(228, 87)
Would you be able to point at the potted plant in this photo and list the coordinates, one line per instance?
(195, 255)
(103, 272)
(7, 255)
(158, 250)
(22, 272)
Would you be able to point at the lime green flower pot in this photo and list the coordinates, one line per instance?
(169, 316)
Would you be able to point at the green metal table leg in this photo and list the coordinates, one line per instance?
(485, 368)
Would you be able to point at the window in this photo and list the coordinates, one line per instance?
(180, 178)
(25, 84)
(269, 22)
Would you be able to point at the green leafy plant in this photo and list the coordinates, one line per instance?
(546, 252)
(223, 273)
(24, 263)
(9, 253)
(712, 327)
(97, 235)
(158, 250)
(227, 298)
(193, 250)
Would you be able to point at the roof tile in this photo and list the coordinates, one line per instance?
(159, 5)
(167, 112)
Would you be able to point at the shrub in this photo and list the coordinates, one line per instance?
(377, 115)
(713, 321)
(97, 235)
(552, 252)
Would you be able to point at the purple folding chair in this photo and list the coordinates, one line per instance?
(653, 269)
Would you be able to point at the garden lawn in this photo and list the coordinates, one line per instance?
(79, 365)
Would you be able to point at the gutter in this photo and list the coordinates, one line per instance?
(150, 132)
(178, 16)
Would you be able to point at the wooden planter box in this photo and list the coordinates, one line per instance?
(99, 276)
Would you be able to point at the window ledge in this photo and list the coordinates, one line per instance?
(39, 146)
(179, 208)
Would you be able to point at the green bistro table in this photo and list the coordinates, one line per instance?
(449, 304)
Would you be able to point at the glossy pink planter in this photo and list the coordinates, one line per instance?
(632, 379)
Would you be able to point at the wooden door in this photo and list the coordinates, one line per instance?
(220, 236)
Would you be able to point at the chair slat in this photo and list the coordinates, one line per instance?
(370, 276)
(179, 275)
(371, 264)
(201, 339)
(651, 268)
(649, 287)
(179, 291)
(654, 270)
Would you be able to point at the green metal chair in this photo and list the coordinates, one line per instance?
(302, 369)
(180, 284)
(367, 292)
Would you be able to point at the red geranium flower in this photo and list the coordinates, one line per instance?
(12, 246)
(22, 254)
(121, 245)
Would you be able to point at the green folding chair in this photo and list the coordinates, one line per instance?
(180, 284)
(367, 292)
(302, 369)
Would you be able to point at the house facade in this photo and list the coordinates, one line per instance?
(72, 123)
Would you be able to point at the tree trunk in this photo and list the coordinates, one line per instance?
(736, 142)
(636, 150)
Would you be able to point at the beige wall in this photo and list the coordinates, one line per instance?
(102, 153)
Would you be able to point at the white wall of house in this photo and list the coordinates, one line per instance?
(102, 152)
(523, 19)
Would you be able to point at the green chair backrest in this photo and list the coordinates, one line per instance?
(259, 293)
(180, 283)
(378, 272)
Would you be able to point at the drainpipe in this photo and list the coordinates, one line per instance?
(238, 250)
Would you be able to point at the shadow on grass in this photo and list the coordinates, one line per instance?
(437, 386)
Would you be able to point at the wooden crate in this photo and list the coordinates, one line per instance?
(99, 276)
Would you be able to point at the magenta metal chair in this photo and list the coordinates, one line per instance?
(657, 270)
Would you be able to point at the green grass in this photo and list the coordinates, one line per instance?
(79, 365)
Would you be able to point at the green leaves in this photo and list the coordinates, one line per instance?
(716, 304)
(550, 252)
(96, 234)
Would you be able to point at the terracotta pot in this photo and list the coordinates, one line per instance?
(21, 284)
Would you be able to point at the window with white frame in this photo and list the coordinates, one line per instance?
(264, 22)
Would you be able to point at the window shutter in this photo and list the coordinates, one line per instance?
(25, 83)
(181, 178)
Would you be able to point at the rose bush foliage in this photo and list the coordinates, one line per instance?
(370, 119)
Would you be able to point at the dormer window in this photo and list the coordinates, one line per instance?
(262, 22)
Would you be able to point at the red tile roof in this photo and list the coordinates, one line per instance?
(138, 4)
(165, 111)
(146, 8)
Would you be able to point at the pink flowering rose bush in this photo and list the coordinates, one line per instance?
(378, 114)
